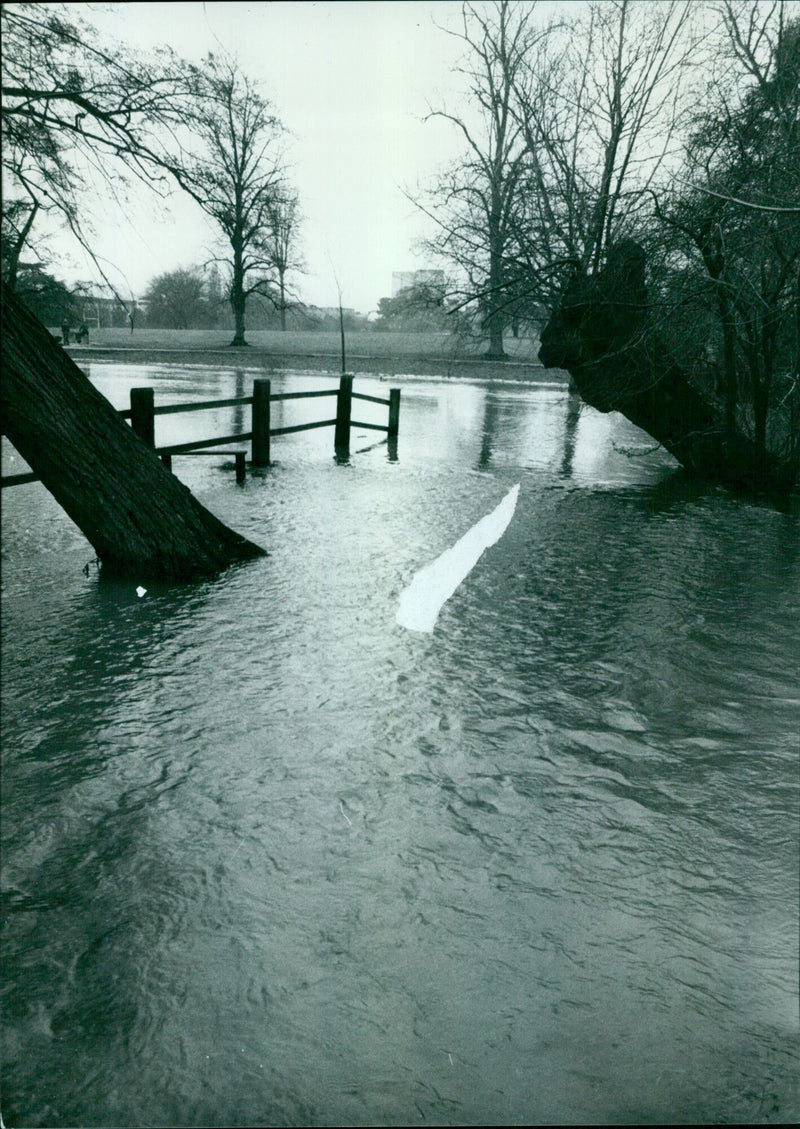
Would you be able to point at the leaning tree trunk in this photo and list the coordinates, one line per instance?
(140, 519)
(601, 334)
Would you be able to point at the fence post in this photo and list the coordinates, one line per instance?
(394, 413)
(260, 422)
(344, 401)
(241, 471)
(142, 415)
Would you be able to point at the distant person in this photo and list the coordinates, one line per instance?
(83, 333)
(66, 325)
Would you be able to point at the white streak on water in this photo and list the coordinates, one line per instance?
(433, 585)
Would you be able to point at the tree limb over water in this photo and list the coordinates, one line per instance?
(604, 334)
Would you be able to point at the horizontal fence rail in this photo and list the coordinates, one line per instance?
(172, 409)
(199, 444)
(302, 427)
(302, 395)
(372, 399)
(143, 411)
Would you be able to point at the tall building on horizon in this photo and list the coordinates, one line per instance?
(404, 279)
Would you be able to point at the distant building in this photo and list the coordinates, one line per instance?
(401, 280)
(102, 309)
(405, 279)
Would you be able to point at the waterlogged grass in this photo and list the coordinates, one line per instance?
(298, 343)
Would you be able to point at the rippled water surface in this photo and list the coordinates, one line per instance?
(270, 858)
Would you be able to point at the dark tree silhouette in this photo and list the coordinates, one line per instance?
(73, 109)
(734, 224)
(603, 334)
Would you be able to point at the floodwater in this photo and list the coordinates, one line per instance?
(270, 857)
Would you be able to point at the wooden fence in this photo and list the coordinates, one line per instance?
(143, 411)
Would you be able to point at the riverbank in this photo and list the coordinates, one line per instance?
(387, 355)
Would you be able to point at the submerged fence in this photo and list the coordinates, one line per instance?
(143, 411)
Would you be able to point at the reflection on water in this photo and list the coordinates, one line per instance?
(270, 858)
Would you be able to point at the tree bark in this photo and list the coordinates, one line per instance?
(601, 333)
(496, 352)
(282, 288)
(238, 297)
(495, 319)
(141, 520)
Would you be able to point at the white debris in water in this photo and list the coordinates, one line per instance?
(141, 591)
(433, 585)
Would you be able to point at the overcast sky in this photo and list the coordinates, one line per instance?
(352, 82)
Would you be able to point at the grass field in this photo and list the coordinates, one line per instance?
(293, 342)
(393, 353)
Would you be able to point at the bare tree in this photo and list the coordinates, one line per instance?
(577, 118)
(236, 174)
(475, 204)
(281, 245)
(599, 102)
